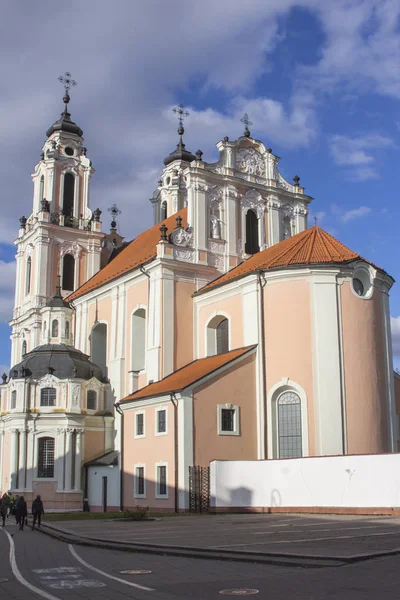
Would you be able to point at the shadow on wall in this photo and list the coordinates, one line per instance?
(241, 497)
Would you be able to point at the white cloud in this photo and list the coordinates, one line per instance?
(395, 326)
(358, 154)
(349, 215)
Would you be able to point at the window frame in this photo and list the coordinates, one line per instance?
(236, 419)
(56, 329)
(157, 480)
(278, 437)
(13, 399)
(41, 393)
(136, 415)
(28, 276)
(39, 442)
(136, 479)
(87, 399)
(157, 431)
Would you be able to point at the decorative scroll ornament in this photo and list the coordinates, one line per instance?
(217, 261)
(300, 209)
(183, 254)
(70, 248)
(76, 394)
(29, 249)
(250, 161)
(287, 210)
(253, 199)
(181, 237)
(48, 380)
(214, 195)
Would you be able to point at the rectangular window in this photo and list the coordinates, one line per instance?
(139, 482)
(46, 457)
(139, 426)
(13, 399)
(162, 421)
(161, 480)
(228, 419)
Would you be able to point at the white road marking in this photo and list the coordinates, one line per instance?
(19, 577)
(88, 566)
(321, 539)
(333, 530)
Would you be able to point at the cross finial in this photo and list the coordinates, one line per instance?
(114, 210)
(68, 83)
(182, 113)
(246, 122)
(315, 219)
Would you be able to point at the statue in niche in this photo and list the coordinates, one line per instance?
(286, 228)
(215, 226)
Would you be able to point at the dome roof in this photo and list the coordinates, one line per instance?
(180, 153)
(62, 361)
(65, 124)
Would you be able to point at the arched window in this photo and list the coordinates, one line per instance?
(48, 396)
(68, 273)
(91, 400)
(98, 347)
(218, 336)
(286, 228)
(41, 190)
(13, 399)
(54, 328)
(68, 195)
(28, 275)
(164, 211)
(252, 244)
(46, 457)
(67, 330)
(289, 425)
(23, 349)
(138, 340)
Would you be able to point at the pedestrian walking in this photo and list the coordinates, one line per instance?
(21, 512)
(37, 511)
(4, 506)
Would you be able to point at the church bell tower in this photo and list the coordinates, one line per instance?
(61, 235)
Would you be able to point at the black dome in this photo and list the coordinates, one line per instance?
(65, 124)
(64, 362)
(180, 153)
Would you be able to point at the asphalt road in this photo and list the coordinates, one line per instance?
(313, 535)
(47, 568)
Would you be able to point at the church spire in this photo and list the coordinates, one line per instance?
(180, 153)
(65, 123)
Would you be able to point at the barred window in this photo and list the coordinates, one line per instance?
(139, 481)
(161, 481)
(48, 397)
(91, 400)
(13, 399)
(46, 457)
(161, 421)
(228, 419)
(66, 330)
(289, 426)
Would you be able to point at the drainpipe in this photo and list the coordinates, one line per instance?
(176, 464)
(121, 455)
(262, 283)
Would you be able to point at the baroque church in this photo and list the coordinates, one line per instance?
(228, 330)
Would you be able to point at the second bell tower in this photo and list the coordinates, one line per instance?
(61, 235)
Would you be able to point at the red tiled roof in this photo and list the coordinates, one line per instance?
(187, 375)
(140, 251)
(312, 246)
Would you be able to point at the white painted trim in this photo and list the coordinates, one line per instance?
(213, 351)
(158, 410)
(286, 385)
(157, 495)
(236, 419)
(136, 480)
(135, 434)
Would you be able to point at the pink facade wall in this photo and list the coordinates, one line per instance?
(236, 386)
(93, 445)
(231, 308)
(288, 341)
(365, 373)
(183, 315)
(148, 451)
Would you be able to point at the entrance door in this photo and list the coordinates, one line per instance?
(104, 494)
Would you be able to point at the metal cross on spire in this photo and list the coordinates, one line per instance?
(114, 210)
(68, 83)
(182, 113)
(246, 122)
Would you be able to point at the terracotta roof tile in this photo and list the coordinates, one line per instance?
(312, 246)
(187, 375)
(140, 251)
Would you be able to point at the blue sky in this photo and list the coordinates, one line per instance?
(319, 80)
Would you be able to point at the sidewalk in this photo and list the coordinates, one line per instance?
(323, 540)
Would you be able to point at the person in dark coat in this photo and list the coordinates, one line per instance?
(21, 512)
(37, 511)
(4, 506)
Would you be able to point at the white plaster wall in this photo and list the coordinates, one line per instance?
(335, 481)
(95, 486)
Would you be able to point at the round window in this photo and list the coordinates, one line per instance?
(358, 286)
(69, 151)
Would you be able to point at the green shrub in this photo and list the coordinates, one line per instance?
(141, 512)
